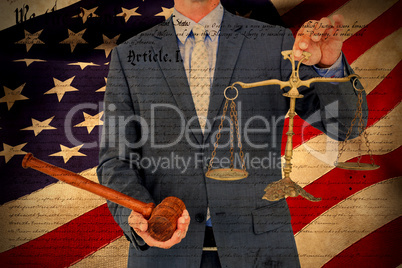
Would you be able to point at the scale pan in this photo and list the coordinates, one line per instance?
(356, 166)
(227, 174)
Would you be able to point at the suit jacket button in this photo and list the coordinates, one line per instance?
(207, 162)
(199, 217)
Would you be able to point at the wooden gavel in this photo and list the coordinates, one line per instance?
(162, 219)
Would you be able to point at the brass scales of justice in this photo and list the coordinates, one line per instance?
(286, 187)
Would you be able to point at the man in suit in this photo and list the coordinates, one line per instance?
(158, 135)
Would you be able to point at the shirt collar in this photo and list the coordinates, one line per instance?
(211, 22)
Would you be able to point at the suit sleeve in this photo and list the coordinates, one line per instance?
(121, 137)
(329, 107)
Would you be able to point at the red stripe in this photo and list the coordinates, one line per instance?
(378, 29)
(67, 244)
(310, 9)
(386, 96)
(339, 184)
(381, 248)
(380, 101)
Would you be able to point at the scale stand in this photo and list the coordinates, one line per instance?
(284, 187)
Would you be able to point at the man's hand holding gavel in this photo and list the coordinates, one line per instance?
(168, 221)
(140, 226)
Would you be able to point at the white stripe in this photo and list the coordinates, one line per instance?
(376, 63)
(362, 12)
(113, 255)
(347, 222)
(384, 137)
(42, 211)
(37, 7)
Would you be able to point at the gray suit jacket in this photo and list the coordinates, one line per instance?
(152, 145)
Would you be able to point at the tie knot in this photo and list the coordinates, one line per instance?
(199, 33)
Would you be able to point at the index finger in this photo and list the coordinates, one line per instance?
(303, 38)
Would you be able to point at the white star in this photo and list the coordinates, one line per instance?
(38, 126)
(86, 13)
(61, 87)
(12, 96)
(167, 12)
(28, 61)
(90, 122)
(102, 89)
(67, 153)
(128, 13)
(83, 65)
(9, 151)
(30, 39)
(108, 44)
(74, 39)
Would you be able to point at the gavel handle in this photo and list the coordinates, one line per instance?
(162, 219)
(88, 185)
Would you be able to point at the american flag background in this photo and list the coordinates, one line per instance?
(53, 70)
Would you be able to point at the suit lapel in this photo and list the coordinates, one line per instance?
(175, 75)
(230, 43)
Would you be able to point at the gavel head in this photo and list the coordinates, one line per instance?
(163, 221)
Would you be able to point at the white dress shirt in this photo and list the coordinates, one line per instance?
(185, 38)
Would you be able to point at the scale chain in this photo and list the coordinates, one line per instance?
(239, 144)
(343, 145)
(361, 125)
(233, 121)
(361, 129)
(218, 135)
